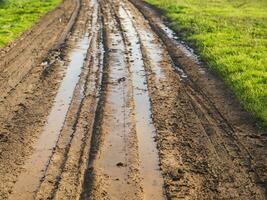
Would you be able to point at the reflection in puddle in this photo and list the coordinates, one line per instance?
(154, 52)
(189, 52)
(114, 153)
(148, 154)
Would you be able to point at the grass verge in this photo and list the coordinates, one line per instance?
(18, 15)
(231, 36)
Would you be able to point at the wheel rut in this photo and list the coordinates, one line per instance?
(36, 165)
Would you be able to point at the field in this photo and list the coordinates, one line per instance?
(231, 36)
(16, 16)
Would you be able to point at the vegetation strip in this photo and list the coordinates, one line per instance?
(17, 16)
(231, 37)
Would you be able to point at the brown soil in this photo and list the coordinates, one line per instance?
(113, 107)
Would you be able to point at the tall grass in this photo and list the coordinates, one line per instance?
(231, 36)
(18, 15)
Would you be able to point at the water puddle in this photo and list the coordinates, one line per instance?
(35, 166)
(114, 123)
(148, 154)
(189, 52)
(154, 52)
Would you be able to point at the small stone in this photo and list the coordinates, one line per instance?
(3, 137)
(121, 79)
(120, 164)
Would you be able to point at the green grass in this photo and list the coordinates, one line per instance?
(231, 36)
(18, 15)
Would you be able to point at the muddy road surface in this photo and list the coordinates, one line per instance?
(99, 100)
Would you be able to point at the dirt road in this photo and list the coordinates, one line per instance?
(120, 109)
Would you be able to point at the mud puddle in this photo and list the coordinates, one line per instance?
(188, 51)
(113, 158)
(154, 53)
(35, 166)
(148, 154)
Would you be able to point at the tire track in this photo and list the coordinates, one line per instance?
(150, 172)
(36, 165)
(112, 166)
(223, 139)
(74, 144)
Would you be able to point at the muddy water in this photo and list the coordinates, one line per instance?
(114, 123)
(188, 51)
(152, 178)
(153, 51)
(35, 166)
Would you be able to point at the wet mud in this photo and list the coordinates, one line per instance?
(121, 109)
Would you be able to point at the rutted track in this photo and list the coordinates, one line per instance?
(116, 118)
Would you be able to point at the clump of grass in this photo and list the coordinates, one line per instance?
(18, 15)
(231, 36)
